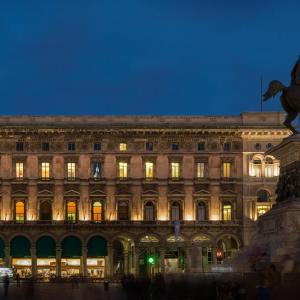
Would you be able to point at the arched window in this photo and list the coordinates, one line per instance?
(45, 211)
(149, 214)
(20, 211)
(175, 211)
(201, 211)
(123, 211)
(97, 211)
(255, 167)
(269, 167)
(71, 211)
(263, 196)
(227, 211)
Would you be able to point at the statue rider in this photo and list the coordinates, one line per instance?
(295, 74)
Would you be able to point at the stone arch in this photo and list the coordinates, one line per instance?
(91, 235)
(38, 236)
(226, 235)
(62, 237)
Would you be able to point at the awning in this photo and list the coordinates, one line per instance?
(20, 247)
(2, 252)
(71, 247)
(45, 247)
(97, 246)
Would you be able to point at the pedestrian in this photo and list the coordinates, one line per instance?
(6, 285)
(18, 279)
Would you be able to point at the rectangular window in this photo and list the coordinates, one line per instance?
(175, 170)
(201, 146)
(226, 146)
(45, 170)
(200, 170)
(149, 169)
(175, 147)
(97, 147)
(71, 147)
(123, 170)
(97, 169)
(71, 171)
(262, 209)
(19, 170)
(20, 211)
(123, 147)
(45, 146)
(226, 169)
(227, 212)
(149, 146)
(19, 146)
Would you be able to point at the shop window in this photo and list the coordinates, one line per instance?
(97, 169)
(97, 147)
(45, 147)
(45, 211)
(175, 170)
(19, 170)
(71, 211)
(97, 211)
(226, 169)
(20, 211)
(19, 146)
(200, 170)
(123, 211)
(149, 212)
(45, 170)
(262, 209)
(201, 211)
(123, 170)
(71, 171)
(175, 211)
(149, 170)
(123, 147)
(227, 211)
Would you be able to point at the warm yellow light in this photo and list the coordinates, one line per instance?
(123, 146)
(189, 218)
(214, 217)
(123, 169)
(175, 170)
(149, 170)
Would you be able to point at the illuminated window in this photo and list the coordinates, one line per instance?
(97, 169)
(20, 211)
(257, 168)
(97, 211)
(262, 209)
(149, 212)
(201, 211)
(149, 170)
(123, 211)
(269, 167)
(175, 170)
(175, 211)
(19, 170)
(227, 212)
(71, 171)
(71, 212)
(123, 147)
(226, 169)
(200, 170)
(123, 170)
(45, 170)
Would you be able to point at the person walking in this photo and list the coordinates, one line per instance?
(18, 279)
(6, 285)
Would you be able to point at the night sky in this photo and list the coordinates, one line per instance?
(183, 57)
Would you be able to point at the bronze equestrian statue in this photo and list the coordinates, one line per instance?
(290, 97)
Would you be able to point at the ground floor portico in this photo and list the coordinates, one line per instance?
(112, 251)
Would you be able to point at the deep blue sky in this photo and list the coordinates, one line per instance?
(144, 56)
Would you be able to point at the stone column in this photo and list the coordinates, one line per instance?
(7, 256)
(32, 208)
(58, 207)
(126, 262)
(189, 213)
(137, 260)
(110, 201)
(33, 262)
(7, 205)
(215, 201)
(109, 267)
(84, 211)
(83, 268)
(187, 250)
(162, 253)
(163, 213)
(58, 261)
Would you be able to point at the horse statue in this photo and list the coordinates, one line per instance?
(290, 96)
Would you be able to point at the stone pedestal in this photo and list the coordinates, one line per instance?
(279, 229)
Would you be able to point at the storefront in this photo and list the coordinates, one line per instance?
(71, 261)
(97, 251)
(46, 257)
(21, 256)
(174, 261)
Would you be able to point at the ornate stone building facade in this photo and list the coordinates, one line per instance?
(104, 196)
